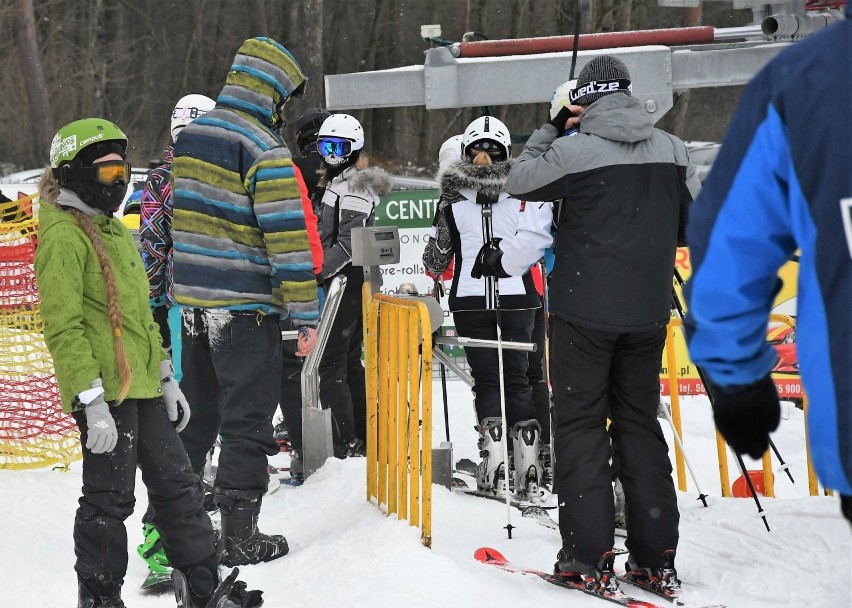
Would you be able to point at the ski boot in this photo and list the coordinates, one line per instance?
(620, 506)
(297, 469)
(527, 466)
(491, 472)
(151, 550)
(96, 593)
(244, 543)
(662, 579)
(598, 579)
(355, 448)
(545, 456)
(199, 586)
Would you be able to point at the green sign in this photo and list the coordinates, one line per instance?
(408, 209)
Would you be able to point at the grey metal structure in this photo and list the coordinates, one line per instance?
(316, 422)
(446, 80)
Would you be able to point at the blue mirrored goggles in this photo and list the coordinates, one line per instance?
(333, 146)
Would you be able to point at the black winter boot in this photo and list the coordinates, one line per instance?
(198, 586)
(244, 543)
(94, 593)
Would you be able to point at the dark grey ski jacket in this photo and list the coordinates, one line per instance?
(626, 187)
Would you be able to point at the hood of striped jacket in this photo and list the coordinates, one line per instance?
(263, 74)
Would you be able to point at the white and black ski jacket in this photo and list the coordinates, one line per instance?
(625, 188)
(458, 233)
(349, 201)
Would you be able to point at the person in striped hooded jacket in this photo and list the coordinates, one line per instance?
(243, 268)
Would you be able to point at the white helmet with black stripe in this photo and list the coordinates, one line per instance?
(488, 132)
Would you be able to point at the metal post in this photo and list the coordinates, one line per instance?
(316, 422)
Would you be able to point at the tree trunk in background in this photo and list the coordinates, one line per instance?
(311, 57)
(33, 74)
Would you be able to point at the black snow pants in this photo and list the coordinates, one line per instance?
(231, 379)
(290, 396)
(516, 326)
(342, 377)
(595, 375)
(537, 375)
(148, 439)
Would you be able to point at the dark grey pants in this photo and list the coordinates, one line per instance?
(231, 378)
(342, 380)
(145, 438)
(595, 375)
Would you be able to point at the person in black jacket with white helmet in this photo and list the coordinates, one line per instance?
(493, 238)
(626, 187)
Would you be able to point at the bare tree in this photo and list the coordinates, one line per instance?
(31, 67)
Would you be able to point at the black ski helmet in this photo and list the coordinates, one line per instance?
(307, 126)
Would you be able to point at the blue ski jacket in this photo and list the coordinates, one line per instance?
(782, 182)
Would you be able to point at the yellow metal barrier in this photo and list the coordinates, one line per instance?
(398, 359)
(721, 448)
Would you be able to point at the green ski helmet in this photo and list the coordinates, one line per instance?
(75, 137)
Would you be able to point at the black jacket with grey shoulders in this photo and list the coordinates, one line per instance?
(626, 187)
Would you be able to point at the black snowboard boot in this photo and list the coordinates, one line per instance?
(198, 586)
(244, 543)
(94, 593)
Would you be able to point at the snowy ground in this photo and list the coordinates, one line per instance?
(346, 553)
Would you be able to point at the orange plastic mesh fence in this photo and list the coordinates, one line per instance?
(33, 430)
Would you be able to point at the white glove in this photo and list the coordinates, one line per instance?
(176, 406)
(101, 427)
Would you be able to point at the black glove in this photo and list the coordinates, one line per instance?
(745, 414)
(560, 119)
(489, 261)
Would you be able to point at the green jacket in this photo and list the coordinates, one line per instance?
(73, 307)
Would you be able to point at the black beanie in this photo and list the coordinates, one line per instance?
(602, 76)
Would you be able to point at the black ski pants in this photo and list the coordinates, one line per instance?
(537, 374)
(290, 396)
(516, 326)
(148, 439)
(595, 375)
(231, 378)
(342, 377)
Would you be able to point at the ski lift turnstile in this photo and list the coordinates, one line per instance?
(316, 422)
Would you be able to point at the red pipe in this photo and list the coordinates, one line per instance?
(587, 42)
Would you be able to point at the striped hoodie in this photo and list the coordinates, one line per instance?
(238, 225)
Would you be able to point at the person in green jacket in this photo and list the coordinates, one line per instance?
(115, 378)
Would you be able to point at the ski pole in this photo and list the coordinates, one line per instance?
(444, 395)
(493, 286)
(707, 387)
(784, 466)
(747, 478)
(701, 495)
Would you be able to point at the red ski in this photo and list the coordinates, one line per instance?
(495, 558)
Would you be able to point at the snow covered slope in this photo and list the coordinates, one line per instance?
(346, 553)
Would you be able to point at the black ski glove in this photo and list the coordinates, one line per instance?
(560, 119)
(745, 414)
(489, 261)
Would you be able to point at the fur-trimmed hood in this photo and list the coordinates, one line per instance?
(490, 180)
(372, 178)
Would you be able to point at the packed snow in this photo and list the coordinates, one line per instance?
(344, 552)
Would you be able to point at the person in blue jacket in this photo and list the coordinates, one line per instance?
(782, 182)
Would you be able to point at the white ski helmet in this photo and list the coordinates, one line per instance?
(450, 150)
(560, 97)
(487, 128)
(187, 109)
(339, 136)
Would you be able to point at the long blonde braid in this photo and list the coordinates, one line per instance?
(48, 193)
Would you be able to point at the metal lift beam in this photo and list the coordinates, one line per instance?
(445, 81)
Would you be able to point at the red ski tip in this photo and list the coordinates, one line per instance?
(488, 555)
